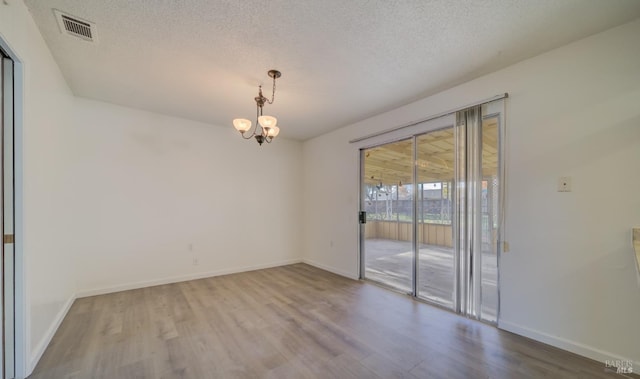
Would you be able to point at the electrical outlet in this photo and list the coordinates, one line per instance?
(564, 184)
(505, 247)
(195, 261)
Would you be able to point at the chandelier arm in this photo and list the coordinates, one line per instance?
(255, 128)
(251, 136)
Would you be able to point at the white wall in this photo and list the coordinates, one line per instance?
(115, 197)
(569, 278)
(149, 186)
(47, 172)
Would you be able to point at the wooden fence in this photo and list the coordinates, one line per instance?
(431, 234)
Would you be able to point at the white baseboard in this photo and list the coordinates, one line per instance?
(334, 270)
(44, 342)
(181, 278)
(564, 344)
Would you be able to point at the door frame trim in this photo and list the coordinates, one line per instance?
(20, 295)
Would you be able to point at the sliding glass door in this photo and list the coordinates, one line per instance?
(388, 202)
(435, 177)
(430, 212)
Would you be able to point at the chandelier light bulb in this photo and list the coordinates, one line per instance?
(267, 121)
(242, 124)
(273, 132)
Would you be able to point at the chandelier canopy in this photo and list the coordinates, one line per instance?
(265, 128)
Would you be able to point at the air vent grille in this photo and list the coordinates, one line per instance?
(75, 26)
(79, 28)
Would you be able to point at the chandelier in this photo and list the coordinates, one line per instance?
(265, 128)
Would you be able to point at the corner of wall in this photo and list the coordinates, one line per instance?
(565, 344)
(334, 270)
(37, 353)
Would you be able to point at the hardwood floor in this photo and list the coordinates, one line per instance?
(288, 322)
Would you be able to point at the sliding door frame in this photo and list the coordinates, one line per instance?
(411, 131)
(466, 194)
(415, 262)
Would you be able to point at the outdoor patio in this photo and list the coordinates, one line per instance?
(389, 262)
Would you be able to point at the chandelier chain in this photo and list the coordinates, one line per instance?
(273, 93)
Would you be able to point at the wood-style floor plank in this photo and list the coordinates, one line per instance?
(293, 321)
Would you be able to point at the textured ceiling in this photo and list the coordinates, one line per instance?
(342, 61)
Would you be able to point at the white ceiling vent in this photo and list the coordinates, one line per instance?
(76, 26)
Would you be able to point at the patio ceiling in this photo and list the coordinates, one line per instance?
(392, 163)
